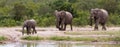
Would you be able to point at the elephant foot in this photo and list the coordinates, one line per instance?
(61, 29)
(104, 28)
(95, 29)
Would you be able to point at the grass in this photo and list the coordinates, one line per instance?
(92, 39)
(93, 33)
(67, 38)
(32, 38)
(60, 38)
(2, 38)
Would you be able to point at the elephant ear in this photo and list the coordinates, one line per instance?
(55, 12)
(93, 12)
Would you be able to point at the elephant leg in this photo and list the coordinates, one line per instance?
(96, 24)
(96, 27)
(27, 30)
(71, 27)
(60, 27)
(30, 30)
(64, 26)
(34, 30)
(23, 30)
(103, 26)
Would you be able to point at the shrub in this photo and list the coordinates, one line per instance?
(2, 38)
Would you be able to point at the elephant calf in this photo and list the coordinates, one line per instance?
(62, 19)
(99, 16)
(29, 24)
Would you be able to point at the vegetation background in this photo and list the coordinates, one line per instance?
(14, 12)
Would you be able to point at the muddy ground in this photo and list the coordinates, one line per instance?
(14, 34)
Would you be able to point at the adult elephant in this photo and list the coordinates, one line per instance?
(62, 19)
(99, 16)
(29, 24)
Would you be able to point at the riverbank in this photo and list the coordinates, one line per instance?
(81, 34)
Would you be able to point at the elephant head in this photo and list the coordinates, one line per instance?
(57, 13)
(59, 16)
(94, 13)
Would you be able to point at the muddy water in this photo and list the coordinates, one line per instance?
(56, 44)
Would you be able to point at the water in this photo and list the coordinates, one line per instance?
(56, 44)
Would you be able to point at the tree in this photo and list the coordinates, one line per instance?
(110, 5)
(19, 11)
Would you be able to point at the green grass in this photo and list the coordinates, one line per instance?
(94, 33)
(2, 38)
(92, 39)
(68, 38)
(60, 38)
(32, 38)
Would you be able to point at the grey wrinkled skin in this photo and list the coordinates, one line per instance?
(29, 24)
(99, 16)
(62, 19)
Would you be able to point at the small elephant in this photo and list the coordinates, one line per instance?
(29, 24)
(99, 16)
(62, 19)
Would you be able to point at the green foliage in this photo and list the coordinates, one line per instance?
(45, 20)
(81, 18)
(8, 22)
(14, 12)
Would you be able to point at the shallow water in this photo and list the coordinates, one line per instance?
(56, 44)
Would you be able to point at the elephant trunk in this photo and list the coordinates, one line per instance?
(23, 30)
(91, 21)
(57, 25)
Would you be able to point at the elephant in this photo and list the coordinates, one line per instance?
(29, 24)
(62, 19)
(99, 16)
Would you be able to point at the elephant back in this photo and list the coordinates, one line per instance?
(104, 12)
(68, 17)
(30, 23)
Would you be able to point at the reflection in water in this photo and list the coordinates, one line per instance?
(64, 45)
(53, 44)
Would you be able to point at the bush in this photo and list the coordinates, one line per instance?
(81, 19)
(8, 22)
(45, 20)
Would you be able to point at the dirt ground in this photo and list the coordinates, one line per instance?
(14, 34)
